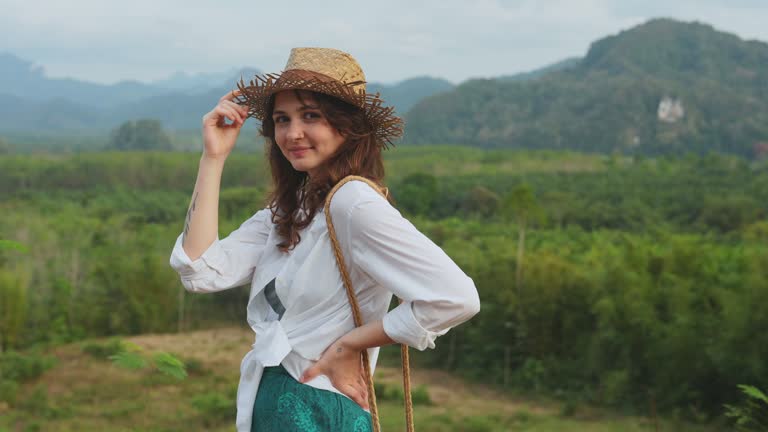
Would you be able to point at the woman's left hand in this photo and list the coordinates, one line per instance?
(343, 365)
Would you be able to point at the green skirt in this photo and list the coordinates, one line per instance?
(286, 405)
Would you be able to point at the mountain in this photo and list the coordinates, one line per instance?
(21, 78)
(203, 82)
(662, 87)
(406, 94)
(30, 101)
(568, 63)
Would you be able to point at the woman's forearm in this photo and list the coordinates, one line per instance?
(366, 336)
(202, 223)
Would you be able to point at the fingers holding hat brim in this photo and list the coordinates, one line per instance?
(230, 96)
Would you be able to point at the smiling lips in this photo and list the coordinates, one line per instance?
(298, 151)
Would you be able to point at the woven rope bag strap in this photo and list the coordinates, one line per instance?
(358, 320)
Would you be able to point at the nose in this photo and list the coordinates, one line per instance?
(295, 131)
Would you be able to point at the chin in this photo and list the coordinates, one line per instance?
(302, 167)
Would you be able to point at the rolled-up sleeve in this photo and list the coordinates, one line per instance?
(226, 263)
(437, 295)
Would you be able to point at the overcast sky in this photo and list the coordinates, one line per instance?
(109, 41)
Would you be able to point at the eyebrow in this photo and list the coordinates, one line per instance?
(303, 108)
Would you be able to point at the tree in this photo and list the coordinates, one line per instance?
(144, 134)
(521, 206)
(5, 147)
(480, 200)
(13, 299)
(417, 193)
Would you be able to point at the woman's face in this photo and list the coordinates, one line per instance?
(302, 132)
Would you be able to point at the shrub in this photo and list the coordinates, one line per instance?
(532, 374)
(8, 390)
(569, 408)
(420, 396)
(103, 350)
(388, 392)
(214, 407)
(16, 366)
(195, 366)
(522, 416)
(752, 414)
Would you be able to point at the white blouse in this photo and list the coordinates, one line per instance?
(384, 254)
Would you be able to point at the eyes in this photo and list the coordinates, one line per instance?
(306, 115)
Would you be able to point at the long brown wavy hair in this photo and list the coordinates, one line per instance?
(292, 190)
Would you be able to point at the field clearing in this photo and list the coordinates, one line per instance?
(83, 393)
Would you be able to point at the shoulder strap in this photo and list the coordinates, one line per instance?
(356, 312)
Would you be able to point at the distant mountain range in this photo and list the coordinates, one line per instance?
(30, 101)
(663, 87)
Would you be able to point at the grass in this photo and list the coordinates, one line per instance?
(85, 392)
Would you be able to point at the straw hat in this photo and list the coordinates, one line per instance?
(328, 71)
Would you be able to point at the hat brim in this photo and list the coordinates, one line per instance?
(384, 124)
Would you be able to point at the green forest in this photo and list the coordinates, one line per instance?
(619, 281)
(612, 99)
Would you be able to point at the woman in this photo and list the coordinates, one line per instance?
(304, 372)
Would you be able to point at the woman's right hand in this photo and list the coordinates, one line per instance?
(219, 137)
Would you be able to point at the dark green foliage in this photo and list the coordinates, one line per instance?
(420, 395)
(417, 193)
(23, 366)
(149, 177)
(609, 102)
(645, 282)
(394, 392)
(387, 392)
(194, 366)
(752, 414)
(144, 134)
(480, 201)
(17, 368)
(215, 408)
(633, 314)
(104, 350)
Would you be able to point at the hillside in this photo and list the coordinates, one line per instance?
(664, 87)
(84, 393)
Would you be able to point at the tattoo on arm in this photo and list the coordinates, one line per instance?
(189, 218)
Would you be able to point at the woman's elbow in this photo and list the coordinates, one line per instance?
(463, 305)
(200, 286)
(470, 305)
(190, 286)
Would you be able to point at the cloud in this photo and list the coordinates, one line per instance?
(145, 40)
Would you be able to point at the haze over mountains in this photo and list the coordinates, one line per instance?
(662, 87)
(30, 101)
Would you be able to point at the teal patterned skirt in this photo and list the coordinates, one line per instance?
(286, 405)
